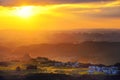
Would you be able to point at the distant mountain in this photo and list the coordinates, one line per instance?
(85, 45)
(78, 36)
(19, 37)
(4, 52)
(94, 52)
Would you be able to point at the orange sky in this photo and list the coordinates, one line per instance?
(23, 21)
(63, 16)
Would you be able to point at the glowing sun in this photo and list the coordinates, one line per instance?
(25, 11)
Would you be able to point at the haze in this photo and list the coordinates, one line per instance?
(35, 22)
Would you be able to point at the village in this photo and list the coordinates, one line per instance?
(45, 65)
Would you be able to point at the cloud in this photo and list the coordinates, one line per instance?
(113, 12)
(92, 8)
(18, 2)
(103, 10)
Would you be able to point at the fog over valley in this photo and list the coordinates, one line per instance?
(74, 45)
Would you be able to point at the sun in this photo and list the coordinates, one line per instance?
(30, 11)
(24, 11)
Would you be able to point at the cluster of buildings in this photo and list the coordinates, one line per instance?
(107, 70)
(68, 64)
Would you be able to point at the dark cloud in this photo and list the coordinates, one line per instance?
(74, 1)
(17, 2)
(111, 12)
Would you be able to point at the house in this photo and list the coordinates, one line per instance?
(107, 70)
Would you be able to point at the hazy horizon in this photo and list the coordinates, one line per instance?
(66, 45)
(39, 27)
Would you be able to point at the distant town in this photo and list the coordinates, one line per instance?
(45, 65)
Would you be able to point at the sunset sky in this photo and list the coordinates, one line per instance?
(59, 14)
(29, 22)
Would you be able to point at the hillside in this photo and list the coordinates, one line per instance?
(97, 52)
